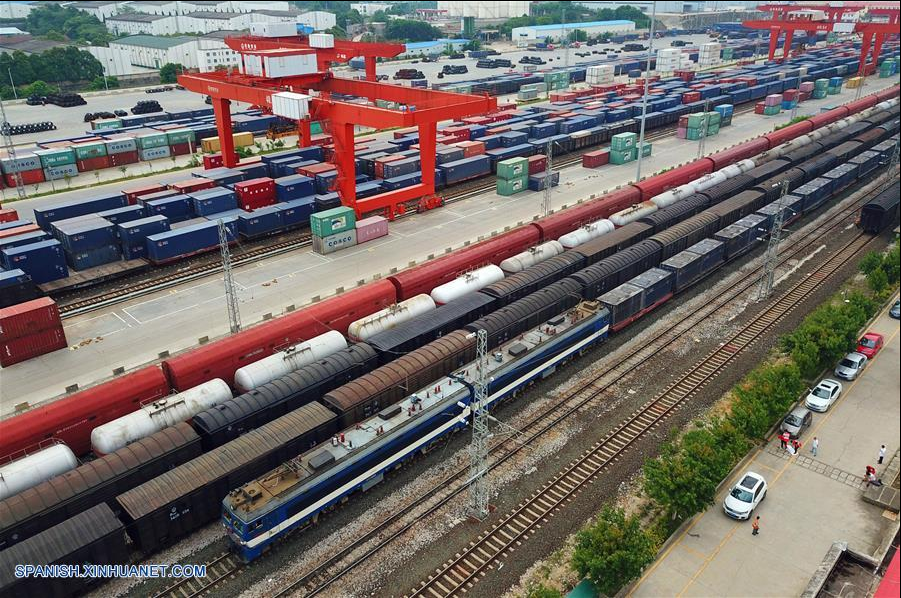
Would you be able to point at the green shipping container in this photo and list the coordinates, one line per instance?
(623, 141)
(511, 186)
(56, 157)
(818, 94)
(512, 168)
(645, 150)
(180, 136)
(104, 124)
(95, 149)
(713, 130)
(334, 221)
(696, 120)
(832, 91)
(693, 133)
(622, 157)
(727, 53)
(821, 84)
(316, 128)
(151, 140)
(714, 117)
(772, 110)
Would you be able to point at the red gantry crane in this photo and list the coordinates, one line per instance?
(275, 65)
(813, 18)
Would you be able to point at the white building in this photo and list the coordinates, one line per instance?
(101, 10)
(369, 8)
(319, 20)
(212, 53)
(558, 32)
(15, 10)
(152, 7)
(154, 52)
(485, 9)
(115, 61)
(413, 49)
(142, 24)
(274, 16)
(207, 22)
(189, 6)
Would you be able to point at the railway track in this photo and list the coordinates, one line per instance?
(460, 573)
(334, 568)
(250, 256)
(220, 568)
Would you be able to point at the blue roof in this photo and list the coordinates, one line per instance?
(579, 25)
(437, 42)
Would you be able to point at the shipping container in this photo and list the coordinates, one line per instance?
(331, 222)
(371, 228)
(176, 208)
(84, 232)
(255, 193)
(31, 346)
(93, 257)
(44, 261)
(260, 222)
(296, 212)
(196, 238)
(335, 242)
(79, 207)
(293, 187)
(28, 318)
(213, 201)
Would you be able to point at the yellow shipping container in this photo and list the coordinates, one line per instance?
(854, 82)
(211, 144)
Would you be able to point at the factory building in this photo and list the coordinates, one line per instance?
(434, 47)
(556, 32)
(484, 9)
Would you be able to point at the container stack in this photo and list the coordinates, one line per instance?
(88, 241)
(91, 155)
(623, 148)
(854, 82)
(699, 124)
(153, 146)
(16, 287)
(709, 54)
(820, 89)
(772, 104)
(835, 86)
(58, 163)
(43, 261)
(725, 111)
(556, 80)
(888, 67)
(28, 165)
(727, 54)
(530, 91)
(601, 74)
(512, 176)
(790, 98)
(668, 60)
(30, 329)
(133, 235)
(121, 151)
(333, 229)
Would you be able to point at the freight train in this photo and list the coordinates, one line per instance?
(72, 418)
(161, 487)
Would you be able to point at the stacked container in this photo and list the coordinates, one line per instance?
(30, 329)
(91, 155)
(772, 104)
(790, 98)
(133, 235)
(709, 54)
(622, 148)
(153, 146)
(835, 86)
(27, 164)
(888, 68)
(121, 150)
(820, 89)
(512, 175)
(58, 163)
(88, 241)
(181, 141)
(16, 287)
(555, 80)
(333, 229)
(601, 74)
(43, 261)
(668, 60)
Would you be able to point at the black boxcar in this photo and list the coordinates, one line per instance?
(882, 211)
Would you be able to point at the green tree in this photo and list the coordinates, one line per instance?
(542, 591)
(613, 550)
(578, 35)
(870, 262)
(411, 31)
(38, 88)
(99, 83)
(169, 72)
(878, 280)
(48, 19)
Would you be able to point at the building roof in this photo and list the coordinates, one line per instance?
(12, 31)
(579, 25)
(205, 2)
(29, 45)
(153, 41)
(277, 13)
(208, 14)
(154, 2)
(222, 34)
(90, 4)
(137, 17)
(432, 44)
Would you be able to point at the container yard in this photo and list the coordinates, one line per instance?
(354, 362)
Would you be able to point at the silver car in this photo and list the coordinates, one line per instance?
(851, 366)
(795, 422)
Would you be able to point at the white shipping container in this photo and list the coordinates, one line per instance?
(322, 40)
(289, 66)
(274, 29)
(253, 65)
(295, 106)
(40, 466)
(284, 362)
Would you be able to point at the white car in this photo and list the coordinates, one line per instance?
(745, 496)
(824, 395)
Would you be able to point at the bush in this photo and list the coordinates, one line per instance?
(169, 72)
(765, 395)
(613, 550)
(99, 84)
(38, 88)
(826, 334)
(542, 591)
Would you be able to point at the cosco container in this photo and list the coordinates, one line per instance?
(152, 141)
(56, 157)
(121, 145)
(85, 151)
(189, 240)
(43, 261)
(336, 242)
(55, 173)
(77, 207)
(331, 222)
(154, 153)
(24, 161)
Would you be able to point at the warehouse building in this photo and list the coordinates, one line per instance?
(557, 32)
(140, 23)
(154, 52)
(433, 47)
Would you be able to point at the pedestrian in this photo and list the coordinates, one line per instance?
(881, 454)
(814, 445)
(783, 438)
(756, 526)
(796, 445)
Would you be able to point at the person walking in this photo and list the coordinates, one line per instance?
(814, 445)
(783, 439)
(756, 526)
(881, 455)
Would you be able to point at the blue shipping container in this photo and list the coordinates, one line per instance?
(213, 201)
(44, 261)
(14, 224)
(176, 208)
(296, 212)
(81, 235)
(294, 186)
(260, 222)
(91, 258)
(222, 176)
(196, 238)
(407, 180)
(24, 239)
(126, 214)
(135, 232)
(77, 207)
(467, 168)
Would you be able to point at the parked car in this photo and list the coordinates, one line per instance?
(797, 419)
(850, 366)
(824, 395)
(870, 344)
(895, 311)
(744, 496)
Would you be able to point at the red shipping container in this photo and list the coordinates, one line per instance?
(88, 164)
(132, 194)
(380, 164)
(180, 149)
(537, 163)
(255, 193)
(471, 148)
(211, 161)
(28, 318)
(371, 228)
(8, 215)
(406, 131)
(123, 158)
(29, 177)
(19, 230)
(691, 96)
(320, 139)
(759, 108)
(595, 158)
(190, 185)
(34, 345)
(497, 130)
(314, 169)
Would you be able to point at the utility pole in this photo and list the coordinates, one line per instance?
(11, 151)
(644, 99)
(231, 293)
(705, 122)
(548, 170)
(565, 40)
(771, 258)
(478, 455)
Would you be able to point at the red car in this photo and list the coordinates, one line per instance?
(870, 344)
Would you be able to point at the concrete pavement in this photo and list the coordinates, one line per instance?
(811, 501)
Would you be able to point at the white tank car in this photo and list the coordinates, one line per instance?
(633, 213)
(157, 415)
(390, 317)
(532, 256)
(284, 362)
(668, 198)
(37, 467)
(745, 165)
(709, 180)
(468, 283)
(586, 233)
